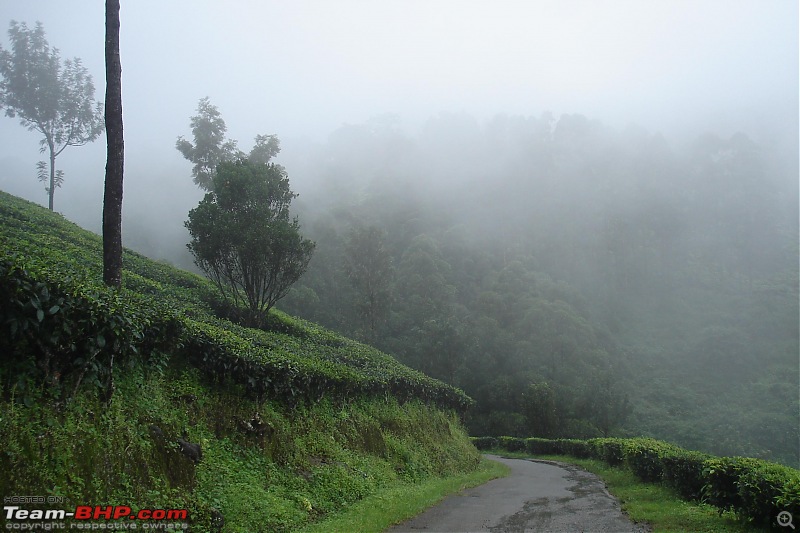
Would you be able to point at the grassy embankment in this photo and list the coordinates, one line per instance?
(296, 425)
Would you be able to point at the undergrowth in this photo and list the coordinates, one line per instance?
(264, 466)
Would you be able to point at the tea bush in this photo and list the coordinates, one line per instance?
(683, 471)
(610, 450)
(643, 457)
(485, 443)
(754, 489)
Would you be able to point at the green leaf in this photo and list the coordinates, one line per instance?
(53, 310)
(101, 341)
(40, 315)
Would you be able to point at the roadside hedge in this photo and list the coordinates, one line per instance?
(755, 490)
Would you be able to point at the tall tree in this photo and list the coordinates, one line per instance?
(369, 269)
(539, 408)
(55, 99)
(244, 239)
(115, 162)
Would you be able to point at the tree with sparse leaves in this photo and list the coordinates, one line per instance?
(211, 147)
(53, 98)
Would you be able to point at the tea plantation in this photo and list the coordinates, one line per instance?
(149, 397)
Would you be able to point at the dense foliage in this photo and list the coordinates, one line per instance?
(756, 490)
(244, 239)
(576, 280)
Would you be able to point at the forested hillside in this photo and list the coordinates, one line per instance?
(574, 279)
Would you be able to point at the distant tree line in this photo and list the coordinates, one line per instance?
(573, 279)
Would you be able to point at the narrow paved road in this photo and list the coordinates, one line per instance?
(537, 496)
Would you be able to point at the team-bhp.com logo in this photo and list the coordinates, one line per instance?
(87, 517)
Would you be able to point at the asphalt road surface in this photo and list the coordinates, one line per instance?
(537, 496)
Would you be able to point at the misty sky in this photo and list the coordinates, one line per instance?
(301, 69)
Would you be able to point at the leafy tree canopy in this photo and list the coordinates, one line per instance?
(244, 239)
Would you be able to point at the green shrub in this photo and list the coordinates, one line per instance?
(574, 447)
(643, 456)
(72, 330)
(789, 499)
(512, 444)
(539, 446)
(722, 481)
(610, 450)
(755, 490)
(683, 471)
(484, 443)
(760, 488)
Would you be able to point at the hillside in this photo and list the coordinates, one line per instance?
(149, 397)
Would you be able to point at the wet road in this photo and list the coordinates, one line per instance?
(537, 496)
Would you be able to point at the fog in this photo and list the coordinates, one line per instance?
(302, 70)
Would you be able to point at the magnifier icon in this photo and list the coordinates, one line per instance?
(785, 519)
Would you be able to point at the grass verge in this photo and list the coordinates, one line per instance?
(401, 502)
(658, 506)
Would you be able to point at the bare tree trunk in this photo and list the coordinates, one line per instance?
(52, 190)
(112, 199)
